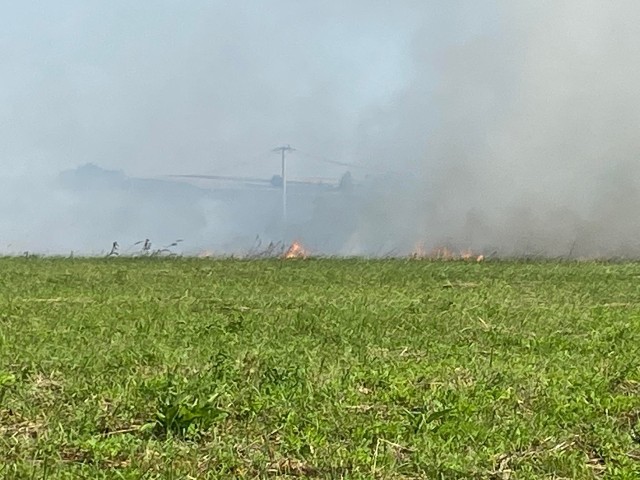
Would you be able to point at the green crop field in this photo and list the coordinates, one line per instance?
(319, 368)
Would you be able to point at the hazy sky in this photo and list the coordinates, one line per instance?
(200, 86)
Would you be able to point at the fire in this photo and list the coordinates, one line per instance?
(296, 250)
(466, 255)
(205, 254)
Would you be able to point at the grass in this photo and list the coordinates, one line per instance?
(191, 368)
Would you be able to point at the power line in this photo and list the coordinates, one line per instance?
(321, 159)
(235, 164)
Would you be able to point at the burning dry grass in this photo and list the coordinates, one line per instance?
(296, 250)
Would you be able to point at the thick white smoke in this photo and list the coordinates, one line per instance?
(525, 131)
(503, 126)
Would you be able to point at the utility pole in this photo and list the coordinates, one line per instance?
(283, 150)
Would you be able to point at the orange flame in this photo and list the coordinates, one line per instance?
(296, 250)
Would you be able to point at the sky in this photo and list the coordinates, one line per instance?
(501, 126)
(185, 87)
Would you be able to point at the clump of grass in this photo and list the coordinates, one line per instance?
(185, 416)
(182, 414)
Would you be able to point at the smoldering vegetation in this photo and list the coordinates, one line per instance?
(495, 126)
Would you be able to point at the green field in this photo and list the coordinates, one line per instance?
(200, 368)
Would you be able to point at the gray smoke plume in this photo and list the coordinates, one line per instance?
(486, 125)
(521, 120)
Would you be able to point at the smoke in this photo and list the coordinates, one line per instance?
(523, 127)
(492, 125)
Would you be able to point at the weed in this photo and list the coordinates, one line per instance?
(184, 416)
